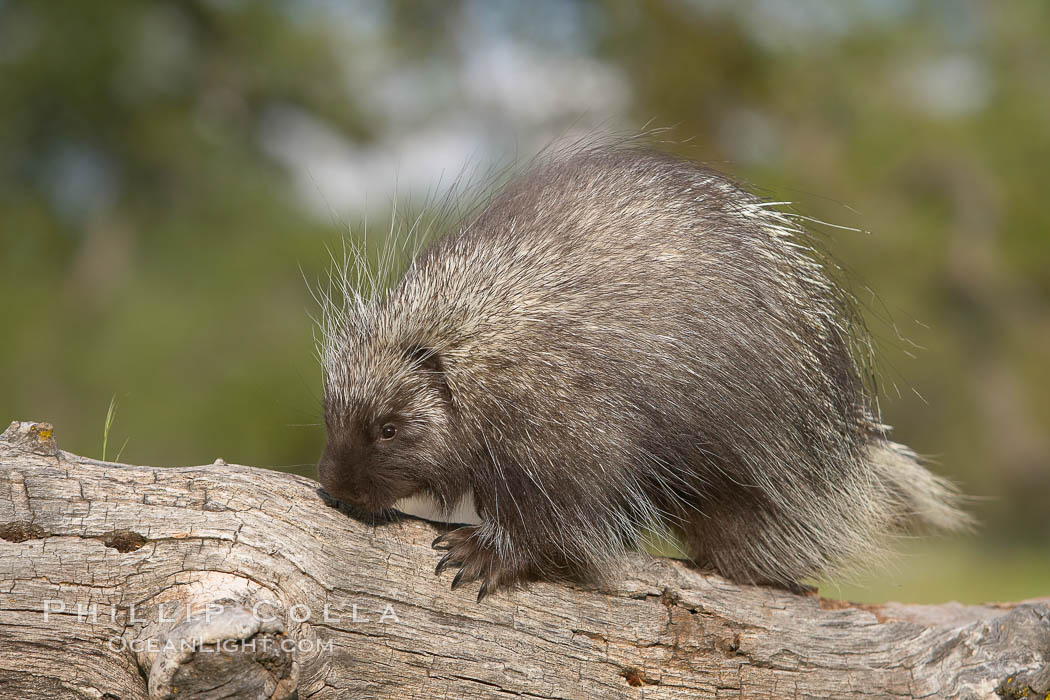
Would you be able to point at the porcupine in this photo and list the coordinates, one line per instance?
(621, 342)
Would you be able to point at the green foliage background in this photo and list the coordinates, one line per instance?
(151, 242)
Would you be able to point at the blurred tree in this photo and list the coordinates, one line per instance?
(143, 220)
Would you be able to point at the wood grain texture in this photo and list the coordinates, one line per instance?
(172, 568)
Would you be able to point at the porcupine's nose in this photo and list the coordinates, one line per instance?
(336, 476)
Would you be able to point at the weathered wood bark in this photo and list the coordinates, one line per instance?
(229, 581)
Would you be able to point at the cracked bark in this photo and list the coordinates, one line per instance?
(121, 581)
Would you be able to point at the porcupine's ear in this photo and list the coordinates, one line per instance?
(428, 361)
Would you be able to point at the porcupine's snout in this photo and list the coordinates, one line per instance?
(333, 476)
(340, 474)
(349, 474)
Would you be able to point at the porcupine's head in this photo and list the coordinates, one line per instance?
(387, 403)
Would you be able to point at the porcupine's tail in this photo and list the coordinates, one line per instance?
(922, 501)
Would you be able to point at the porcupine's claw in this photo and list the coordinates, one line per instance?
(465, 576)
(477, 563)
(441, 543)
(446, 561)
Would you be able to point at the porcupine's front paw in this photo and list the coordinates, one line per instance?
(476, 561)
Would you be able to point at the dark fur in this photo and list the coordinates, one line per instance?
(621, 341)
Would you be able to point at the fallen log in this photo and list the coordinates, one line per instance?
(219, 581)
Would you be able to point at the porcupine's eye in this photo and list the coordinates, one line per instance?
(388, 431)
